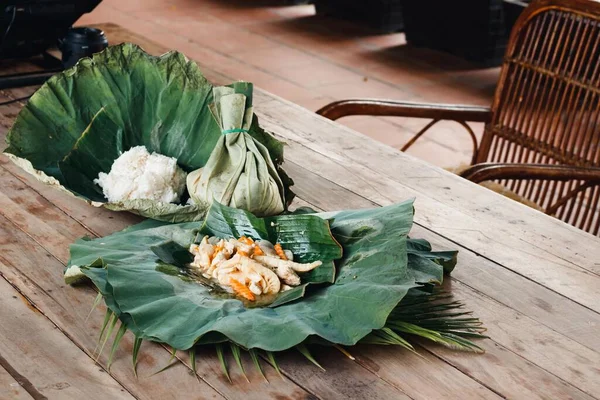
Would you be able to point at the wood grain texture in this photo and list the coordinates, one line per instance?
(21, 195)
(324, 385)
(10, 388)
(37, 350)
(342, 139)
(104, 221)
(421, 375)
(557, 312)
(574, 363)
(499, 229)
(415, 177)
(68, 308)
(536, 284)
(522, 341)
(529, 130)
(347, 378)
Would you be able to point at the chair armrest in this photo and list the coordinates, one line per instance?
(489, 171)
(343, 108)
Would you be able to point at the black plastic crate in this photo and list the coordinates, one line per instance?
(382, 15)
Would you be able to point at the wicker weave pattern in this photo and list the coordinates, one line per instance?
(547, 107)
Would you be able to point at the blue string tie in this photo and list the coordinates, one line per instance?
(226, 131)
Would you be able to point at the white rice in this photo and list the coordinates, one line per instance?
(137, 174)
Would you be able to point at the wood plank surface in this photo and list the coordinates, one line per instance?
(35, 217)
(17, 192)
(559, 313)
(518, 343)
(295, 367)
(532, 279)
(69, 307)
(10, 387)
(326, 383)
(564, 261)
(49, 231)
(37, 350)
(421, 375)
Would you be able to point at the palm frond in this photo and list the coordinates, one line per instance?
(304, 351)
(170, 364)
(107, 316)
(115, 345)
(235, 350)
(450, 340)
(387, 336)
(221, 356)
(433, 316)
(96, 303)
(173, 354)
(344, 352)
(109, 329)
(273, 362)
(137, 343)
(193, 362)
(256, 362)
(438, 318)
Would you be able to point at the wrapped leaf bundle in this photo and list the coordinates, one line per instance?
(80, 121)
(240, 172)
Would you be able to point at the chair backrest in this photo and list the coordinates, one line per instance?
(547, 105)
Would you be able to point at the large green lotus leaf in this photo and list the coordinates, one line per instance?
(373, 276)
(79, 121)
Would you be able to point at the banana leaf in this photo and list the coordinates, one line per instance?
(372, 277)
(422, 248)
(79, 121)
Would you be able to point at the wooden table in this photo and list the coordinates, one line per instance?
(533, 280)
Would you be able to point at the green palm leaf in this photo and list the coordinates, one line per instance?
(113, 319)
(304, 351)
(115, 344)
(237, 356)
(256, 362)
(137, 344)
(273, 363)
(222, 360)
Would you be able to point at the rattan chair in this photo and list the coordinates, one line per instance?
(542, 132)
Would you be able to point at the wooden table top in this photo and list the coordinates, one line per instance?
(533, 280)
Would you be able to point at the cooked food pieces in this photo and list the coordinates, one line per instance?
(137, 174)
(248, 268)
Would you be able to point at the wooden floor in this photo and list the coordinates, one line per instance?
(313, 60)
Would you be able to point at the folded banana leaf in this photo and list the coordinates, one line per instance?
(363, 301)
(239, 172)
(82, 119)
